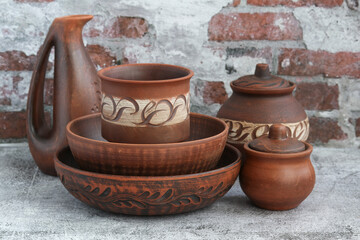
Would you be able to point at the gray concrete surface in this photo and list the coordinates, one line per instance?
(37, 206)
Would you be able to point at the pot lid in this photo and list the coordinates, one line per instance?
(277, 141)
(262, 79)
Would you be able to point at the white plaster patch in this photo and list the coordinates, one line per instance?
(246, 65)
(280, 23)
(25, 25)
(6, 87)
(354, 96)
(285, 63)
(331, 29)
(17, 94)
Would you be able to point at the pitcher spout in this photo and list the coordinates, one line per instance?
(80, 19)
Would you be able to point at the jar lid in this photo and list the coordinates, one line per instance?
(261, 80)
(277, 141)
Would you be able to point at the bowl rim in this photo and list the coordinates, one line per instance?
(227, 168)
(101, 74)
(146, 145)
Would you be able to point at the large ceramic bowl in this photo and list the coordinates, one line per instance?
(199, 153)
(146, 195)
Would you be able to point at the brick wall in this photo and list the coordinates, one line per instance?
(315, 43)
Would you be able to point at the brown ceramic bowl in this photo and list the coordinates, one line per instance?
(199, 153)
(145, 103)
(145, 195)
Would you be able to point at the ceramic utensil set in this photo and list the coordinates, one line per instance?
(145, 153)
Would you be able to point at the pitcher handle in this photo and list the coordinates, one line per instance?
(35, 107)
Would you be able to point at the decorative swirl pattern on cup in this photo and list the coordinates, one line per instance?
(117, 112)
(241, 132)
(127, 111)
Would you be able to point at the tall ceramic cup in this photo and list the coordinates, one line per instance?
(145, 103)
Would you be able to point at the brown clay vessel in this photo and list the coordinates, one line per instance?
(145, 103)
(257, 102)
(76, 89)
(199, 153)
(277, 173)
(146, 195)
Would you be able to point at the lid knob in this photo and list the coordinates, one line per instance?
(277, 141)
(262, 70)
(262, 82)
(278, 131)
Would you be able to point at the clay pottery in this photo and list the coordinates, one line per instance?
(277, 173)
(76, 89)
(146, 195)
(145, 103)
(199, 153)
(257, 102)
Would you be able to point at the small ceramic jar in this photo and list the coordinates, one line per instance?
(257, 102)
(145, 103)
(277, 173)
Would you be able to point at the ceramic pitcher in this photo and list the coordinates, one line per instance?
(76, 89)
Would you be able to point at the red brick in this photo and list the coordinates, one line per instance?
(250, 52)
(254, 26)
(100, 56)
(48, 91)
(302, 62)
(35, 1)
(129, 27)
(5, 91)
(92, 32)
(12, 125)
(15, 87)
(299, 3)
(322, 130)
(236, 3)
(16, 80)
(214, 92)
(317, 96)
(48, 117)
(357, 127)
(8, 88)
(16, 61)
(5, 101)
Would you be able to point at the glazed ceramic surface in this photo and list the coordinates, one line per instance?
(277, 181)
(149, 195)
(76, 89)
(199, 153)
(145, 103)
(257, 102)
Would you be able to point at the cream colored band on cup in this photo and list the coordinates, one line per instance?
(143, 112)
(243, 132)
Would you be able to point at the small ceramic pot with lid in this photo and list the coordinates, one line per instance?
(277, 173)
(257, 102)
